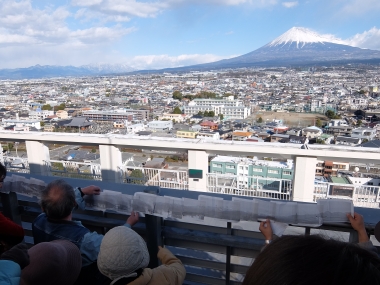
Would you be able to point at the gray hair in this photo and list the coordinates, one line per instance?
(58, 199)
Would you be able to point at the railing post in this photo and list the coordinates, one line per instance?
(304, 176)
(111, 163)
(153, 226)
(228, 256)
(38, 157)
(198, 160)
(10, 207)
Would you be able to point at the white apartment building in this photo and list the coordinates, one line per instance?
(26, 123)
(364, 133)
(40, 114)
(231, 109)
(208, 135)
(179, 118)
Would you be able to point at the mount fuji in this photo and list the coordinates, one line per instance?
(297, 46)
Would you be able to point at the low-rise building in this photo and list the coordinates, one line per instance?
(160, 125)
(186, 134)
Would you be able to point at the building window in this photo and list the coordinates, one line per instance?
(218, 165)
(241, 167)
(272, 171)
(287, 172)
(257, 170)
(230, 166)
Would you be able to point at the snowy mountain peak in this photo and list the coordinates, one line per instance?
(303, 36)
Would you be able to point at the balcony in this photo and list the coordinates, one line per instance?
(37, 161)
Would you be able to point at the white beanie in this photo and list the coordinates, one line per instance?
(122, 252)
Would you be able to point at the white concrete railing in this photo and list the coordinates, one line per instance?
(198, 152)
(250, 186)
(174, 179)
(361, 195)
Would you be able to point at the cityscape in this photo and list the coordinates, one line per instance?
(204, 129)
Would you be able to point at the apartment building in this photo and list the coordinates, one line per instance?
(247, 169)
(330, 168)
(231, 109)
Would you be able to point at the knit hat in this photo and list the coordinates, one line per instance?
(10, 231)
(58, 262)
(122, 252)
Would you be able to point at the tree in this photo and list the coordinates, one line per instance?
(211, 114)
(331, 115)
(138, 175)
(273, 77)
(260, 120)
(359, 123)
(318, 123)
(60, 107)
(206, 114)
(177, 95)
(47, 107)
(177, 110)
(200, 113)
(42, 123)
(221, 116)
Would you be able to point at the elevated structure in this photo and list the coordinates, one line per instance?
(302, 188)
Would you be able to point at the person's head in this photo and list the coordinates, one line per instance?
(58, 199)
(122, 253)
(3, 174)
(311, 260)
(57, 262)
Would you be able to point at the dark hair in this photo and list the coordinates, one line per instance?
(3, 170)
(301, 260)
(58, 199)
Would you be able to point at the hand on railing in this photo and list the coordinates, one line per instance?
(266, 229)
(133, 218)
(91, 190)
(357, 223)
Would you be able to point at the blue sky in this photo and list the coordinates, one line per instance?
(168, 33)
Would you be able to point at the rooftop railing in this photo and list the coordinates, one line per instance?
(111, 169)
(213, 251)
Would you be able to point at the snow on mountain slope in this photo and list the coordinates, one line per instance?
(302, 36)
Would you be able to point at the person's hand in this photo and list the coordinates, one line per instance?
(357, 223)
(91, 190)
(133, 218)
(18, 254)
(266, 229)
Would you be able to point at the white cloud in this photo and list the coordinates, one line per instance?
(125, 10)
(290, 4)
(166, 61)
(118, 10)
(368, 39)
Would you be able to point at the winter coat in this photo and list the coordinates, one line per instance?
(171, 272)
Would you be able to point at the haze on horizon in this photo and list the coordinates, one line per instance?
(151, 34)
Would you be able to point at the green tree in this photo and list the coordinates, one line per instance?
(42, 123)
(177, 95)
(137, 177)
(93, 150)
(332, 115)
(359, 123)
(318, 123)
(177, 110)
(211, 114)
(47, 107)
(260, 120)
(200, 113)
(221, 116)
(60, 107)
(273, 77)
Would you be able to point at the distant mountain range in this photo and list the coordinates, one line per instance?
(43, 71)
(298, 46)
